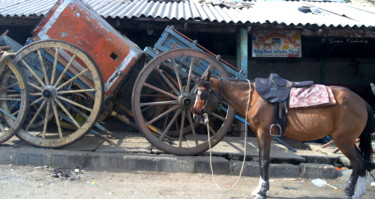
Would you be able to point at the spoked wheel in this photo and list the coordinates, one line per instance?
(13, 99)
(65, 87)
(162, 96)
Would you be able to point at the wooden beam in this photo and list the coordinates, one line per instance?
(335, 32)
(19, 21)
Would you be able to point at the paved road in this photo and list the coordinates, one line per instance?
(39, 182)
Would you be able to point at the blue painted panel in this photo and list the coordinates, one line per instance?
(171, 40)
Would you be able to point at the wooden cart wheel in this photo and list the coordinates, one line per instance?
(65, 86)
(162, 95)
(13, 98)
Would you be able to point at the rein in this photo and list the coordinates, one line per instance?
(207, 121)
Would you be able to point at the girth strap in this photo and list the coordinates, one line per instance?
(280, 118)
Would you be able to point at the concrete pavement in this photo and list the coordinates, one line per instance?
(134, 152)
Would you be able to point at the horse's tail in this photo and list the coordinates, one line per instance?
(365, 138)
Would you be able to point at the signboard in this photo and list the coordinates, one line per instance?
(276, 43)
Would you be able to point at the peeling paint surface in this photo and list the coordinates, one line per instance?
(74, 22)
(64, 34)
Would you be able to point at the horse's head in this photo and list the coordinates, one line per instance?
(207, 97)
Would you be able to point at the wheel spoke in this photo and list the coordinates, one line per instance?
(33, 73)
(77, 91)
(170, 124)
(55, 60)
(57, 119)
(9, 86)
(74, 103)
(73, 78)
(156, 95)
(173, 102)
(163, 114)
(182, 128)
(6, 113)
(13, 95)
(65, 70)
(35, 94)
(192, 126)
(35, 115)
(177, 74)
(36, 101)
(2, 128)
(31, 104)
(67, 113)
(212, 131)
(192, 91)
(11, 99)
(146, 108)
(168, 82)
(161, 91)
(190, 74)
(207, 69)
(48, 109)
(15, 105)
(217, 116)
(43, 67)
(35, 86)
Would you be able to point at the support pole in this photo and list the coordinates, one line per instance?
(242, 60)
(242, 50)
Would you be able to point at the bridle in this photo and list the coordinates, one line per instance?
(204, 94)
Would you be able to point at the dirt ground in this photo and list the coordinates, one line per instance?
(42, 182)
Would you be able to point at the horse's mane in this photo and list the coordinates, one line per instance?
(234, 79)
(240, 83)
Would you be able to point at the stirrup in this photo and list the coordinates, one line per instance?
(279, 127)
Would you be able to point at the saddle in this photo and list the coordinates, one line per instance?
(275, 90)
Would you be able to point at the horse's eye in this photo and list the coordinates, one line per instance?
(204, 95)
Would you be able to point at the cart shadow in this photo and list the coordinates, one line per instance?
(301, 197)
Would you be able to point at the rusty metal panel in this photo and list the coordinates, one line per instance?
(75, 22)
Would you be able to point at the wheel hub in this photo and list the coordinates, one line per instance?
(49, 93)
(185, 101)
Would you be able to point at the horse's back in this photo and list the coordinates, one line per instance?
(349, 114)
(346, 97)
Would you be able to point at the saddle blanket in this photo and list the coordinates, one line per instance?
(312, 96)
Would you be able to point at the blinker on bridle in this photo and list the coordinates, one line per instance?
(204, 94)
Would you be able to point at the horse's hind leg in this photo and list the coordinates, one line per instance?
(349, 149)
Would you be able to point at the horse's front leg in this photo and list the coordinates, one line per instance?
(264, 142)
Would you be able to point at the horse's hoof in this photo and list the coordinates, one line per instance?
(258, 196)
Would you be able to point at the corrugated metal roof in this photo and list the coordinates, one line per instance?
(25, 7)
(332, 13)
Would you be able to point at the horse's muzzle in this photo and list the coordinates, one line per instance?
(196, 111)
(197, 114)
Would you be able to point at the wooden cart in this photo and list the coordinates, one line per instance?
(76, 63)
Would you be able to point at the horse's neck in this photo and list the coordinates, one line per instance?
(236, 93)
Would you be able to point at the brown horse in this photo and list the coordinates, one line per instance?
(350, 118)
